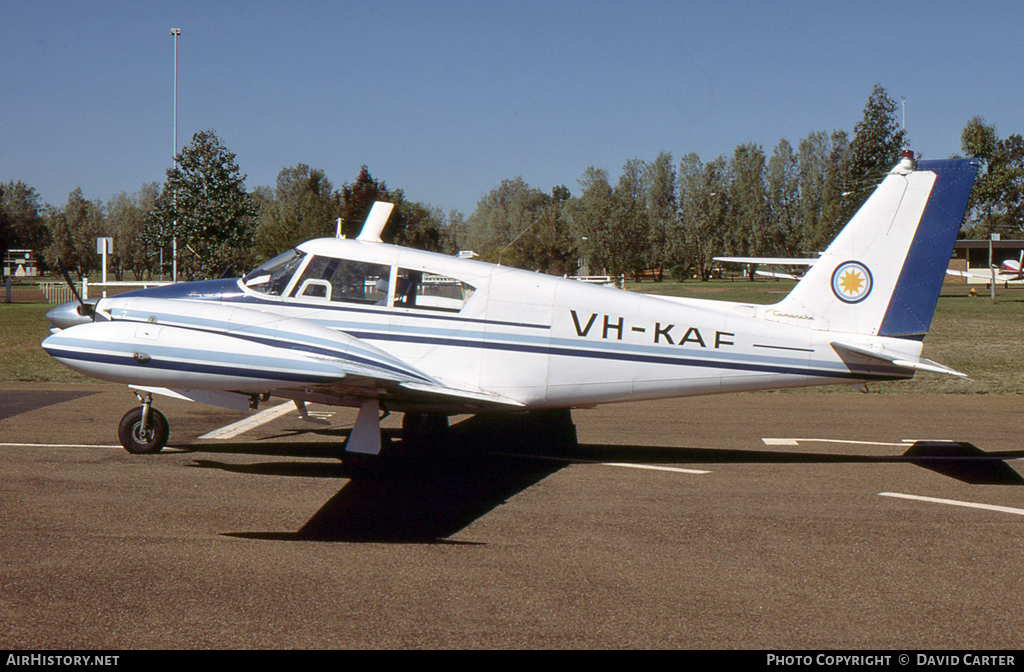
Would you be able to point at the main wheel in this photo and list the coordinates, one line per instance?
(424, 431)
(138, 442)
(365, 465)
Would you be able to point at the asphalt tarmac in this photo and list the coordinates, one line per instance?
(672, 524)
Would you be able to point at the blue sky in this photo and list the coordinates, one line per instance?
(444, 99)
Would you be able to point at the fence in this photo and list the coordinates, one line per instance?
(118, 286)
(57, 291)
(36, 292)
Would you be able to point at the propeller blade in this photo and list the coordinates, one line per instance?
(83, 307)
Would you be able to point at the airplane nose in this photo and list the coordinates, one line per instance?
(67, 315)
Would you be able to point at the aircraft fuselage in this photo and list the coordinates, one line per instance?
(543, 341)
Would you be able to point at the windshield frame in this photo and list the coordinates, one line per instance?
(272, 272)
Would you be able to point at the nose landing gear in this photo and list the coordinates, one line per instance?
(143, 431)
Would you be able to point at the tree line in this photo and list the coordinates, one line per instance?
(662, 215)
(673, 217)
(204, 212)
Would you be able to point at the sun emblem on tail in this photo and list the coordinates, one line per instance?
(851, 282)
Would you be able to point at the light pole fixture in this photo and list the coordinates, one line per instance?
(175, 32)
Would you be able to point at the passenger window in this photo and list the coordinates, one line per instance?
(315, 289)
(344, 280)
(418, 289)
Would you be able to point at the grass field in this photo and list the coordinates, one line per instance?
(969, 334)
(23, 327)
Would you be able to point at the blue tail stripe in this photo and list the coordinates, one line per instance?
(910, 309)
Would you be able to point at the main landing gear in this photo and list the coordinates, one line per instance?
(423, 432)
(143, 431)
(367, 453)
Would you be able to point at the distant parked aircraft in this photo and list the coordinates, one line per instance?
(777, 262)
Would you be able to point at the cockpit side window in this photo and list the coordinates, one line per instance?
(425, 291)
(344, 280)
(271, 277)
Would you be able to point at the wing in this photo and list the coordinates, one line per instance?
(968, 274)
(768, 261)
(777, 275)
(986, 275)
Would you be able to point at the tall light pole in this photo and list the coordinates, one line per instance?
(175, 32)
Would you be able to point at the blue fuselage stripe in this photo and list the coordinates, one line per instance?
(633, 357)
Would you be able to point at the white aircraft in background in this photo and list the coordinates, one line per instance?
(364, 324)
(784, 262)
(1006, 271)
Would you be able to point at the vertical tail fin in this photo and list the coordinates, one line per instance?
(882, 274)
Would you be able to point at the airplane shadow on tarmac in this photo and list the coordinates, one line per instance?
(414, 498)
(489, 459)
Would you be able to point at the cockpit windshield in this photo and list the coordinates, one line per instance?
(327, 279)
(271, 277)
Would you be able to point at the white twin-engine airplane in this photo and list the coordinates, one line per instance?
(364, 324)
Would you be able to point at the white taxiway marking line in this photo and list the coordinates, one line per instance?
(678, 470)
(796, 442)
(954, 502)
(55, 445)
(252, 422)
(650, 467)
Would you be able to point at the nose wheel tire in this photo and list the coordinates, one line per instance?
(143, 442)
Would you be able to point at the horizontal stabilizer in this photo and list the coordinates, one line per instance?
(895, 360)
